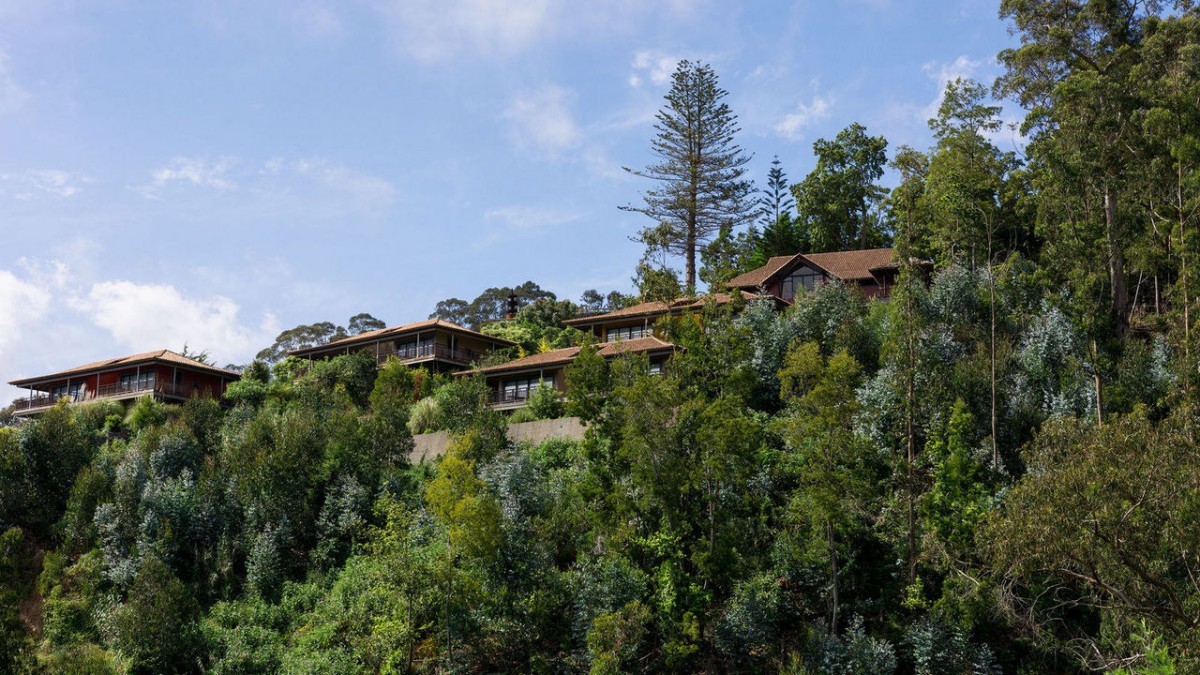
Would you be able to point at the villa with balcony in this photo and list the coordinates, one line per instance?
(637, 321)
(511, 384)
(163, 374)
(438, 345)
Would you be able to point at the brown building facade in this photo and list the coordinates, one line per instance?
(873, 271)
(438, 345)
(163, 374)
(511, 384)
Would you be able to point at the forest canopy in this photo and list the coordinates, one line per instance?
(992, 470)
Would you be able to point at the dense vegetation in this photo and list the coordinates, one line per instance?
(996, 470)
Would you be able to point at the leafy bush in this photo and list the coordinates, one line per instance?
(545, 402)
(425, 417)
(525, 414)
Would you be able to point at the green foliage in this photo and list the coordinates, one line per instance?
(1097, 524)
(490, 305)
(463, 504)
(146, 413)
(616, 638)
(700, 172)
(154, 628)
(839, 200)
(545, 402)
(247, 391)
(312, 335)
(426, 416)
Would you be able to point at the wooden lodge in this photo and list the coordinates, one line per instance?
(163, 374)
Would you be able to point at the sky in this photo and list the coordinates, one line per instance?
(210, 173)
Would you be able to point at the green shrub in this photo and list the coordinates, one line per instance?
(146, 413)
(545, 402)
(525, 414)
(426, 416)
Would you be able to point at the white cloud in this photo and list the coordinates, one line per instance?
(317, 20)
(33, 183)
(542, 119)
(22, 304)
(433, 30)
(144, 317)
(12, 95)
(805, 115)
(194, 171)
(943, 74)
(370, 189)
(530, 217)
(652, 65)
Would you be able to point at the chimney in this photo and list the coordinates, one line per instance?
(512, 306)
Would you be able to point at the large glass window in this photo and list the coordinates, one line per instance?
(627, 333)
(136, 382)
(519, 390)
(802, 277)
(74, 392)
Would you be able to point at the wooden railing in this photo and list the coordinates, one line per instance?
(116, 390)
(430, 351)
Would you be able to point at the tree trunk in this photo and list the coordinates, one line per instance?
(992, 350)
(690, 243)
(1183, 271)
(1116, 267)
(910, 441)
(833, 575)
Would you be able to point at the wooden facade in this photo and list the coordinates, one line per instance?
(163, 374)
(440, 346)
(872, 271)
(511, 384)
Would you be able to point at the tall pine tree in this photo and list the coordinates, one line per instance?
(700, 172)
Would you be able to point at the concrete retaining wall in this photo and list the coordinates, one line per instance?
(428, 446)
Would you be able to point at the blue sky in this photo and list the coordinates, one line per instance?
(212, 172)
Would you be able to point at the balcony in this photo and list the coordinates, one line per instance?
(511, 400)
(430, 351)
(162, 390)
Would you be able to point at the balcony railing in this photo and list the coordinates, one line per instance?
(430, 351)
(117, 390)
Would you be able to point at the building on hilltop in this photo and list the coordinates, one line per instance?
(873, 271)
(510, 384)
(637, 321)
(440, 346)
(163, 374)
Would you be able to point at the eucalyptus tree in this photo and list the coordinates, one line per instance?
(839, 200)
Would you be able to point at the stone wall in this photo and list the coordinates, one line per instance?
(428, 446)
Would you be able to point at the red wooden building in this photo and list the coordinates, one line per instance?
(874, 271)
(163, 374)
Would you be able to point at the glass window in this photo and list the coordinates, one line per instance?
(74, 392)
(136, 382)
(627, 333)
(519, 390)
(802, 277)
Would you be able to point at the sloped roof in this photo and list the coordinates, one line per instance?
(556, 357)
(758, 277)
(382, 333)
(853, 265)
(678, 305)
(161, 356)
(844, 265)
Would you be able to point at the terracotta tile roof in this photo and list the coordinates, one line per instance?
(161, 356)
(844, 265)
(557, 357)
(853, 265)
(757, 277)
(381, 333)
(676, 306)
